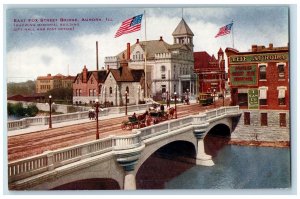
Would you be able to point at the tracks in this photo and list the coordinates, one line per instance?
(30, 144)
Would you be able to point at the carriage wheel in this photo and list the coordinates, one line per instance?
(123, 126)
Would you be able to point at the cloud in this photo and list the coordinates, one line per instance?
(80, 50)
(36, 61)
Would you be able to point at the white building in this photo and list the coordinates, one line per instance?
(169, 66)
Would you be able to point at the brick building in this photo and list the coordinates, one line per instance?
(259, 84)
(112, 85)
(211, 71)
(45, 83)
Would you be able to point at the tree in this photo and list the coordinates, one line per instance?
(32, 110)
(61, 94)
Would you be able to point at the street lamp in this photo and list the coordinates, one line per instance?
(126, 102)
(187, 97)
(50, 111)
(168, 100)
(97, 112)
(175, 105)
(214, 96)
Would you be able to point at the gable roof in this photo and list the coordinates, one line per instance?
(124, 74)
(101, 75)
(182, 29)
(154, 46)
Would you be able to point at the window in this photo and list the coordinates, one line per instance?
(94, 92)
(263, 96)
(280, 69)
(76, 92)
(174, 88)
(163, 68)
(110, 90)
(77, 81)
(262, 72)
(264, 119)
(92, 81)
(246, 118)
(79, 93)
(163, 88)
(90, 92)
(281, 95)
(127, 90)
(163, 76)
(282, 117)
(243, 99)
(138, 55)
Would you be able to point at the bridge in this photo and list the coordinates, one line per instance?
(117, 159)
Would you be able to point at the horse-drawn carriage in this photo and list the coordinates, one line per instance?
(153, 116)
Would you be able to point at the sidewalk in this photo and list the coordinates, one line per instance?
(32, 129)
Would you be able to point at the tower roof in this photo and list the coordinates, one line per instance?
(182, 29)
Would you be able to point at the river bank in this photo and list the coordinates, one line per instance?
(278, 144)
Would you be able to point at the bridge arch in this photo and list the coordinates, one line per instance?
(109, 170)
(217, 127)
(156, 170)
(152, 147)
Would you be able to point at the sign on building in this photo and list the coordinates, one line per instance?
(243, 75)
(253, 100)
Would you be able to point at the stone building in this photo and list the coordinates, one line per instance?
(169, 66)
(259, 84)
(45, 83)
(211, 71)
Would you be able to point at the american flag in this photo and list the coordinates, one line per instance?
(224, 30)
(130, 25)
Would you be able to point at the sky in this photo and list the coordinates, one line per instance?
(36, 53)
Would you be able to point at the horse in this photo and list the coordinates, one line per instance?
(142, 118)
(171, 112)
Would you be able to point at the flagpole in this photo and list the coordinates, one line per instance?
(145, 69)
(232, 35)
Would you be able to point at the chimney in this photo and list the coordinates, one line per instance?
(97, 56)
(107, 68)
(161, 38)
(137, 41)
(254, 48)
(270, 46)
(84, 74)
(128, 51)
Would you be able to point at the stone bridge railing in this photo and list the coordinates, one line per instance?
(50, 160)
(44, 120)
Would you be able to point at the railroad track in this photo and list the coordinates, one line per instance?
(26, 145)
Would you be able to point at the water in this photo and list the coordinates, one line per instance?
(239, 167)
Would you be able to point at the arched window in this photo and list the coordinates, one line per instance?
(163, 68)
(138, 55)
(262, 72)
(110, 90)
(127, 90)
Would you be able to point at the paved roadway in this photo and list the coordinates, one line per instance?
(26, 145)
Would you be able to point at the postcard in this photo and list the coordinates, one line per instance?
(148, 98)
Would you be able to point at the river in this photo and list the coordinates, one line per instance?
(236, 167)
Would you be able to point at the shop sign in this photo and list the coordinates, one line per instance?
(253, 100)
(275, 57)
(243, 75)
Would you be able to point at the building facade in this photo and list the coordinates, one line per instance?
(259, 84)
(49, 82)
(169, 67)
(109, 86)
(211, 72)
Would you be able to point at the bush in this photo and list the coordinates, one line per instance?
(19, 111)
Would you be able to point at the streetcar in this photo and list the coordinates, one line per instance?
(205, 99)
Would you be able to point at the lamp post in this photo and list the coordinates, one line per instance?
(126, 102)
(175, 105)
(168, 99)
(97, 121)
(187, 96)
(223, 97)
(214, 96)
(50, 111)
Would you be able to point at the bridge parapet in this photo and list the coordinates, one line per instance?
(126, 148)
